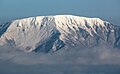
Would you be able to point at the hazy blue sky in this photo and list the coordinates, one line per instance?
(106, 9)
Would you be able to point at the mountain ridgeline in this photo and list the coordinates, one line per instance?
(52, 33)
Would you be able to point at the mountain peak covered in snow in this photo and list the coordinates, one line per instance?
(51, 33)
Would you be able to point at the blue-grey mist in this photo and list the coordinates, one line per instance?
(108, 10)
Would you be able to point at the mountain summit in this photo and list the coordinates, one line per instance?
(51, 33)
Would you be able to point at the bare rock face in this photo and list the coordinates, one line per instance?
(51, 33)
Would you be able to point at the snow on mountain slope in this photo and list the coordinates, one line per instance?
(51, 33)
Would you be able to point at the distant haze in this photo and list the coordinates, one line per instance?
(106, 9)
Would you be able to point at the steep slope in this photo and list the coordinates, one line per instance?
(51, 33)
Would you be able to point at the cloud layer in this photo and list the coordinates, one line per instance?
(97, 55)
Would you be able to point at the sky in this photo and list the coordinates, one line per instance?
(108, 10)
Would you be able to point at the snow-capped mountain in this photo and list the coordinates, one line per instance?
(51, 33)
